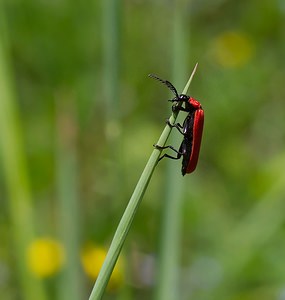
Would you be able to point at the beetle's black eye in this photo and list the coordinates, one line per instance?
(183, 98)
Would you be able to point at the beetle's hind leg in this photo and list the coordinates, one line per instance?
(179, 154)
(168, 156)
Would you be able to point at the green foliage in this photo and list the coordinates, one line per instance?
(80, 135)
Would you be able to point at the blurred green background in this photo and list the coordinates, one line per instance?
(78, 119)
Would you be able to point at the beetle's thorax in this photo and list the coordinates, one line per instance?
(195, 104)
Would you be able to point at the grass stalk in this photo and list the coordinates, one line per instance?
(111, 32)
(110, 37)
(128, 216)
(70, 284)
(16, 174)
(170, 235)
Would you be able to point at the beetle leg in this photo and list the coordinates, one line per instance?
(173, 100)
(178, 126)
(173, 125)
(179, 154)
(168, 156)
(176, 108)
(165, 147)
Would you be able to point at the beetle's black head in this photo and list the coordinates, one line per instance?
(183, 98)
(178, 101)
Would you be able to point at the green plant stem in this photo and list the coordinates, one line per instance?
(111, 33)
(167, 277)
(15, 173)
(128, 216)
(70, 283)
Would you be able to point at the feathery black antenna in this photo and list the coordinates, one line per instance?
(167, 83)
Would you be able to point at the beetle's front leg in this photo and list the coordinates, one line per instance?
(176, 108)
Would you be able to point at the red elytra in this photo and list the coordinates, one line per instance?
(198, 126)
(192, 131)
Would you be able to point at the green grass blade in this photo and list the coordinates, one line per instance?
(70, 283)
(190, 79)
(127, 218)
(15, 174)
(111, 25)
(170, 243)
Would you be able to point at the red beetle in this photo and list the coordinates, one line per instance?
(192, 129)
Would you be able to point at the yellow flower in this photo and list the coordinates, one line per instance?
(92, 258)
(232, 49)
(45, 257)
